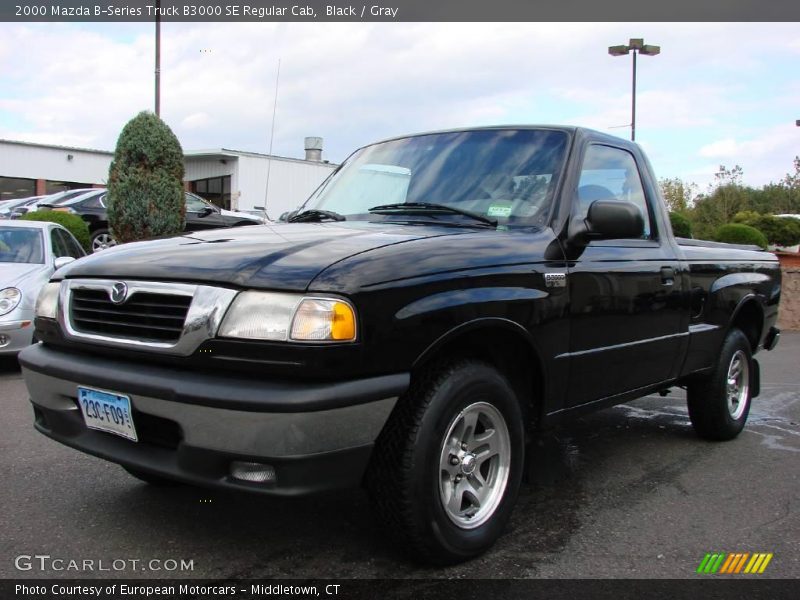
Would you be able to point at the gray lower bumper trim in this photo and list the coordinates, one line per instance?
(231, 431)
(238, 393)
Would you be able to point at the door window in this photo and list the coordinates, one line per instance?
(194, 204)
(57, 240)
(70, 245)
(611, 174)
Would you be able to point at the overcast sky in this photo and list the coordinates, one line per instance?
(718, 93)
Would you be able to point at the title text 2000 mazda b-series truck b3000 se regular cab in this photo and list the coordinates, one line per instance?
(438, 299)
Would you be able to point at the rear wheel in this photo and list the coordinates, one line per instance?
(447, 467)
(102, 239)
(720, 402)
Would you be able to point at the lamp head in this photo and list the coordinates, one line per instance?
(650, 50)
(618, 50)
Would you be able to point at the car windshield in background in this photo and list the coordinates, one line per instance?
(95, 195)
(61, 197)
(506, 175)
(21, 245)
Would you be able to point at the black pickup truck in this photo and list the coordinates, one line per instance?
(439, 300)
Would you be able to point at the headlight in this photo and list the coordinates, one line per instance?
(289, 317)
(47, 302)
(9, 299)
(322, 319)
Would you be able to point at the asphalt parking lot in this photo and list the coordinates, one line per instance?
(626, 492)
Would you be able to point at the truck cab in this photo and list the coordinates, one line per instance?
(440, 299)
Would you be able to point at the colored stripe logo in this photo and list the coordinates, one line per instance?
(734, 563)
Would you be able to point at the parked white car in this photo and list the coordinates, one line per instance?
(30, 252)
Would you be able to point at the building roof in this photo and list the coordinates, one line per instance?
(214, 152)
(56, 146)
(227, 152)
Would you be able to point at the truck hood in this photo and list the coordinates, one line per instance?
(277, 256)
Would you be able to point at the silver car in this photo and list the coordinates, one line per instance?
(30, 252)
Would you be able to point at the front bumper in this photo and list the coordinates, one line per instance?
(15, 335)
(192, 426)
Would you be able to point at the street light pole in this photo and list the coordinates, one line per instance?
(158, 58)
(633, 100)
(635, 46)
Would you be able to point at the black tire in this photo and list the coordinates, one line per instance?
(407, 482)
(150, 478)
(714, 416)
(101, 239)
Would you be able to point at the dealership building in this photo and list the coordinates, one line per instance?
(230, 179)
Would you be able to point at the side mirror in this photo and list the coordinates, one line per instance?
(205, 211)
(62, 261)
(608, 220)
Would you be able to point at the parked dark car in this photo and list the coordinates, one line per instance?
(200, 215)
(34, 202)
(437, 302)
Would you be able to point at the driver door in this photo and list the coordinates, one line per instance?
(625, 294)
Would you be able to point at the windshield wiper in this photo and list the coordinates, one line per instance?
(314, 214)
(429, 208)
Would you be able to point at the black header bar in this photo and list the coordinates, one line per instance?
(400, 10)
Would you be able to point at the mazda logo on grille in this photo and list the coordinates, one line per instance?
(119, 291)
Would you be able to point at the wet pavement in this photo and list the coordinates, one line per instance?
(625, 492)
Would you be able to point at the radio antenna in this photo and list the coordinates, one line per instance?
(272, 135)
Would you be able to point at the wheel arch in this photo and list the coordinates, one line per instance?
(748, 316)
(505, 345)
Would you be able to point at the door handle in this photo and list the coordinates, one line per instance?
(667, 276)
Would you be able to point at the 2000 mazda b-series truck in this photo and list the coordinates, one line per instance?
(439, 298)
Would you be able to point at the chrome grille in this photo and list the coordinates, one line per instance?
(170, 318)
(144, 316)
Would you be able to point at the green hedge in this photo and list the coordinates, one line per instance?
(738, 233)
(681, 226)
(781, 231)
(72, 223)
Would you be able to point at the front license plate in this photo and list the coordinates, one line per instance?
(106, 411)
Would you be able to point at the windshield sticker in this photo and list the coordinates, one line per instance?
(499, 210)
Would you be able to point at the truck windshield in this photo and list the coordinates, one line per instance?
(506, 175)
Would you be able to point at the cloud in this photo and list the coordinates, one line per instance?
(196, 120)
(722, 149)
(756, 154)
(354, 83)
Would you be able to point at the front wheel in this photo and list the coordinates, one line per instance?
(448, 465)
(720, 402)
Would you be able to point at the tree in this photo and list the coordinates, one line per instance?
(724, 199)
(681, 226)
(792, 180)
(678, 196)
(792, 185)
(145, 182)
(727, 176)
(774, 198)
(778, 231)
